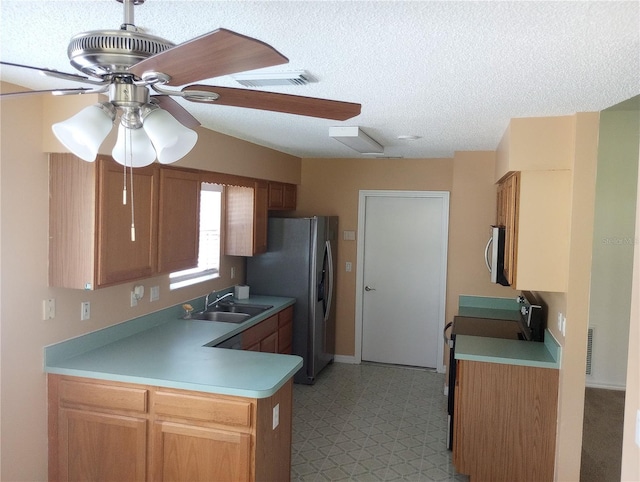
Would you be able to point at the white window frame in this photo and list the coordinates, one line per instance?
(188, 277)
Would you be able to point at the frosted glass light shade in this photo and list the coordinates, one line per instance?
(139, 151)
(83, 133)
(171, 139)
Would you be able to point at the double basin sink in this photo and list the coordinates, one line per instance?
(231, 312)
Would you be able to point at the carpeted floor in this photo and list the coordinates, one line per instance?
(602, 435)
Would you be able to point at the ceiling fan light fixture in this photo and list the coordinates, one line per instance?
(84, 132)
(171, 140)
(354, 138)
(133, 148)
(262, 79)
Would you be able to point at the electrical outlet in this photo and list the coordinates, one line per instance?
(155, 293)
(85, 310)
(276, 416)
(48, 309)
(638, 428)
(348, 266)
(233, 272)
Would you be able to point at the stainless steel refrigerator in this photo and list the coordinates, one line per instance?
(300, 262)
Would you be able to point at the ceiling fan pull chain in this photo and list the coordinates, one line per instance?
(130, 157)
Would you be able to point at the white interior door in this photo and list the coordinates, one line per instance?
(402, 280)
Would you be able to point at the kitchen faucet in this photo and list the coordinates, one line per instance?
(218, 299)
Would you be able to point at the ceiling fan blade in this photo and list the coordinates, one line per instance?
(290, 104)
(52, 91)
(56, 73)
(176, 110)
(217, 53)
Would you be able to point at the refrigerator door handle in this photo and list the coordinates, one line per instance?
(328, 295)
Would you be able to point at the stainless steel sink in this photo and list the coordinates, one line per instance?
(247, 308)
(231, 312)
(222, 316)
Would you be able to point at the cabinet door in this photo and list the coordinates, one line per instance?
(185, 452)
(290, 196)
(121, 256)
(269, 344)
(96, 446)
(276, 195)
(508, 200)
(179, 220)
(260, 216)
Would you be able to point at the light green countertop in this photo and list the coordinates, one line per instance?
(161, 349)
(500, 350)
(509, 352)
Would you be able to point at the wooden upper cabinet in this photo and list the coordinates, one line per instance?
(179, 220)
(246, 219)
(282, 196)
(534, 207)
(90, 228)
(508, 200)
(120, 257)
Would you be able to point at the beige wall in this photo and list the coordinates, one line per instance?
(23, 244)
(331, 187)
(574, 304)
(631, 451)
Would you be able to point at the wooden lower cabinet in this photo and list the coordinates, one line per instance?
(505, 420)
(100, 446)
(188, 452)
(273, 335)
(101, 430)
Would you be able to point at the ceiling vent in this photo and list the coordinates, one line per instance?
(295, 77)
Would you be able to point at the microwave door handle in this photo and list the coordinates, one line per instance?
(486, 253)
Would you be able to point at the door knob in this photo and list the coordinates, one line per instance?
(366, 288)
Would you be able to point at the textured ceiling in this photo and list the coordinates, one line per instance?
(453, 73)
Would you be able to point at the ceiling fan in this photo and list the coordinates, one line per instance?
(135, 69)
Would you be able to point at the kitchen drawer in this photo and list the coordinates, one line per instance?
(109, 397)
(258, 332)
(202, 408)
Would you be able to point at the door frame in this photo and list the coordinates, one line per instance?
(362, 198)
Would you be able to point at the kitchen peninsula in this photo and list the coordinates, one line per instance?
(154, 399)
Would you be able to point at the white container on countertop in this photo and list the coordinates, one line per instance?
(241, 292)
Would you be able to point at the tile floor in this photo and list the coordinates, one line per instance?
(371, 422)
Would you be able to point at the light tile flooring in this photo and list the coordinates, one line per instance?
(371, 422)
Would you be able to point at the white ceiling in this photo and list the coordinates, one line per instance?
(453, 73)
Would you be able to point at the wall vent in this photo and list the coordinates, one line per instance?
(589, 350)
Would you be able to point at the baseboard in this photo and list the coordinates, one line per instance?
(604, 386)
(346, 359)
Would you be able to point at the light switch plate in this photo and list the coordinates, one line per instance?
(85, 310)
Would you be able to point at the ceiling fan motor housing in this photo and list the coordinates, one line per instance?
(104, 52)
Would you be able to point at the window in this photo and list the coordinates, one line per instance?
(209, 252)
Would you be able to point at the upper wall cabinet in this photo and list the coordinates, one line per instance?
(536, 144)
(178, 220)
(534, 207)
(246, 219)
(282, 196)
(92, 242)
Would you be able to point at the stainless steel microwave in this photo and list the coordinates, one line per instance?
(494, 255)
